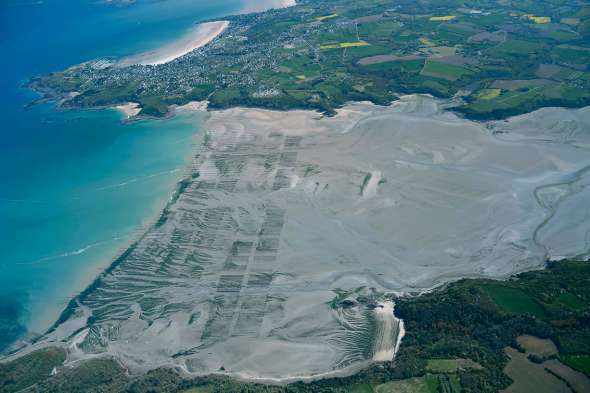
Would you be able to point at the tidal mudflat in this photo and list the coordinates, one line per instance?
(274, 259)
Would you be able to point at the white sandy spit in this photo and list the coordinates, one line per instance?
(197, 37)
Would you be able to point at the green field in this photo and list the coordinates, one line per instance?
(414, 66)
(578, 362)
(451, 365)
(572, 54)
(414, 385)
(426, 384)
(518, 46)
(360, 388)
(513, 300)
(445, 71)
(378, 32)
(571, 301)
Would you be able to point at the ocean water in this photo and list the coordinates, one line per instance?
(76, 187)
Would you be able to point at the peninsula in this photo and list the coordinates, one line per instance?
(494, 59)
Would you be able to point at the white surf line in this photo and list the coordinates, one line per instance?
(67, 254)
(137, 179)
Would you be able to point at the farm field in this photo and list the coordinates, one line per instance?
(531, 377)
(578, 362)
(536, 54)
(513, 300)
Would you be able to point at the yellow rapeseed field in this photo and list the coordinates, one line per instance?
(442, 18)
(344, 45)
(489, 94)
(539, 19)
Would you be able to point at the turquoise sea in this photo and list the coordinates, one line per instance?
(76, 187)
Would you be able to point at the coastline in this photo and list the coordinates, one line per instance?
(131, 110)
(159, 213)
(304, 124)
(196, 38)
(348, 112)
(105, 253)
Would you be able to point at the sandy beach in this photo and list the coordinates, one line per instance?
(196, 38)
(130, 109)
(280, 3)
(286, 3)
(267, 5)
